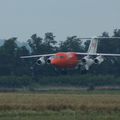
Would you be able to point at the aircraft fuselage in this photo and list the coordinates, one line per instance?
(65, 60)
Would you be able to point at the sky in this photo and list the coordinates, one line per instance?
(84, 18)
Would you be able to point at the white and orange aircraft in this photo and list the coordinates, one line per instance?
(73, 60)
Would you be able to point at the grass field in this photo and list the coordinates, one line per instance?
(59, 106)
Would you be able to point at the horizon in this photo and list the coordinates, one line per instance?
(63, 18)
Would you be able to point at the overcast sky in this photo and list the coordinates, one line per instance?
(84, 18)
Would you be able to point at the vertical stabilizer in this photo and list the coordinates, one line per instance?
(93, 46)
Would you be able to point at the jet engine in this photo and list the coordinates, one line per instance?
(41, 61)
(49, 61)
(98, 60)
(87, 62)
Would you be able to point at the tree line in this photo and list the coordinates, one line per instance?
(16, 72)
(10, 52)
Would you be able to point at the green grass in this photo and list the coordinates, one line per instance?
(57, 102)
(61, 115)
(93, 105)
(77, 91)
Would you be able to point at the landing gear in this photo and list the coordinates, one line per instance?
(61, 71)
(83, 70)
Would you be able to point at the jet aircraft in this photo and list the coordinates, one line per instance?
(74, 60)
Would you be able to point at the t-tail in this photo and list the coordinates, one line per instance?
(91, 50)
(93, 46)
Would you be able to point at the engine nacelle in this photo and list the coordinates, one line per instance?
(49, 60)
(87, 60)
(98, 60)
(41, 61)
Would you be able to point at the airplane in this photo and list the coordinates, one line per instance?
(75, 60)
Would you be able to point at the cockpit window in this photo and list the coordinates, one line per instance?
(55, 57)
(58, 57)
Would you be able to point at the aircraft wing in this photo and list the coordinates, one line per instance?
(35, 56)
(100, 54)
(91, 54)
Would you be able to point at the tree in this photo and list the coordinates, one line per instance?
(86, 45)
(8, 56)
(35, 44)
(110, 45)
(22, 66)
(111, 65)
(49, 39)
(10, 46)
(72, 44)
(22, 51)
(49, 43)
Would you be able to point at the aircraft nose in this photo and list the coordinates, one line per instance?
(53, 62)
